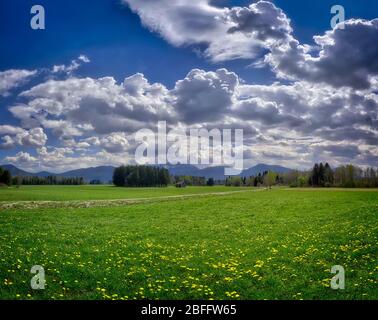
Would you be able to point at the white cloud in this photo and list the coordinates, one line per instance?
(34, 137)
(345, 57)
(63, 159)
(97, 117)
(74, 65)
(13, 78)
(204, 96)
(227, 33)
(7, 142)
(8, 129)
(17, 136)
(22, 158)
(75, 106)
(114, 143)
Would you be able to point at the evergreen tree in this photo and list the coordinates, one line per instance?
(140, 176)
(210, 182)
(5, 177)
(314, 180)
(328, 175)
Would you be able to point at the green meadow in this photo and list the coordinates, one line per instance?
(257, 244)
(99, 192)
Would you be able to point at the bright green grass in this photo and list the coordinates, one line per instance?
(276, 244)
(104, 192)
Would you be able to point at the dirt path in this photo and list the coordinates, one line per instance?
(105, 203)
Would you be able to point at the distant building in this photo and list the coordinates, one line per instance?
(180, 184)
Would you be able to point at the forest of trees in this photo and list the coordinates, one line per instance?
(141, 176)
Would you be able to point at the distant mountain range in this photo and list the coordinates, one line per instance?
(218, 172)
(102, 173)
(105, 173)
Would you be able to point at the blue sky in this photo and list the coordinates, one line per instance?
(119, 46)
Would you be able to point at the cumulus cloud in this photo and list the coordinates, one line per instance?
(99, 116)
(114, 143)
(17, 136)
(345, 56)
(34, 137)
(204, 96)
(262, 20)
(99, 105)
(56, 159)
(21, 158)
(265, 112)
(342, 57)
(81, 106)
(13, 78)
(226, 33)
(8, 129)
(311, 108)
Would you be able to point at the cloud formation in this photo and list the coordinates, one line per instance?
(262, 29)
(99, 116)
(226, 33)
(13, 78)
(14, 136)
(204, 96)
(346, 57)
(74, 65)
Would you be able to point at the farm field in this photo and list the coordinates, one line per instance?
(99, 192)
(270, 244)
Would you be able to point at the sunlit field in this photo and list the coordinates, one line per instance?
(99, 192)
(259, 244)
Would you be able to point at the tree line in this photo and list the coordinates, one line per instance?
(7, 179)
(49, 180)
(345, 176)
(321, 175)
(267, 178)
(141, 176)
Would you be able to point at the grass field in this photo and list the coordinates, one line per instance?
(267, 244)
(100, 192)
